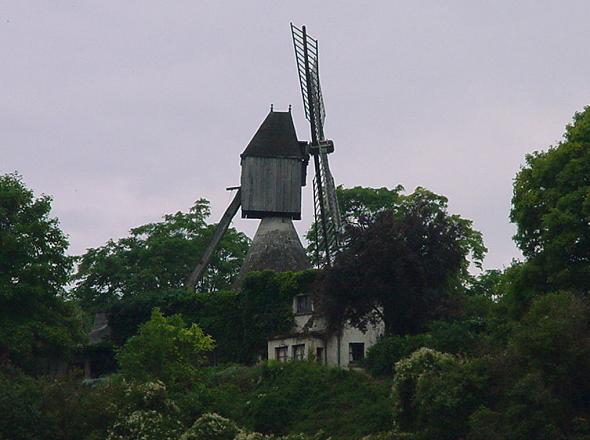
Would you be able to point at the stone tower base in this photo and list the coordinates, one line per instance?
(276, 246)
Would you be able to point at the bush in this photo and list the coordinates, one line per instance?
(456, 337)
(165, 348)
(245, 435)
(434, 394)
(21, 410)
(145, 425)
(211, 426)
(56, 409)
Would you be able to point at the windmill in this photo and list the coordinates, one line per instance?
(326, 210)
(274, 168)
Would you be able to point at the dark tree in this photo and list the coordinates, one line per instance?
(400, 266)
(358, 206)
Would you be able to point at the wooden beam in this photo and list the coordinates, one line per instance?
(222, 226)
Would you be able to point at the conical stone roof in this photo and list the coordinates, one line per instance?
(276, 246)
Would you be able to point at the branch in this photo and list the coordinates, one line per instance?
(379, 313)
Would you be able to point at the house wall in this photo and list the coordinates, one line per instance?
(337, 351)
(311, 344)
(336, 346)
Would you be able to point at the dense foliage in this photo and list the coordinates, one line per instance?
(158, 257)
(239, 321)
(37, 327)
(401, 266)
(278, 399)
(551, 208)
(503, 355)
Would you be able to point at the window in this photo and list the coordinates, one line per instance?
(303, 304)
(356, 352)
(319, 355)
(282, 354)
(299, 352)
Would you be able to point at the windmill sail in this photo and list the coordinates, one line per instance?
(328, 219)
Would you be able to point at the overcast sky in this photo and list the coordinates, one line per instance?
(126, 110)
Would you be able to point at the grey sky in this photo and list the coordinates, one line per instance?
(126, 110)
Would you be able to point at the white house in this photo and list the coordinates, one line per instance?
(308, 339)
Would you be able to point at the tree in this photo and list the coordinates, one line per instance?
(400, 267)
(358, 206)
(159, 256)
(165, 348)
(35, 321)
(551, 209)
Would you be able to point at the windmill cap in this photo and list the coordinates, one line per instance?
(276, 137)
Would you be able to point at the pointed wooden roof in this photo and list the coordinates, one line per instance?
(276, 137)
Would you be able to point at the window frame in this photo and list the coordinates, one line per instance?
(320, 354)
(298, 352)
(352, 352)
(282, 353)
(307, 309)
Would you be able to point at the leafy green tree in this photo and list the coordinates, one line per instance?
(159, 256)
(490, 284)
(165, 348)
(551, 208)
(402, 267)
(36, 324)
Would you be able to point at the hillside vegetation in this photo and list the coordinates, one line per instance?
(503, 355)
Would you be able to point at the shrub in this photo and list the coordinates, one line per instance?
(21, 412)
(434, 394)
(211, 426)
(165, 348)
(456, 337)
(245, 435)
(145, 425)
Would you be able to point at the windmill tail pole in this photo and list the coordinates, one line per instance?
(222, 226)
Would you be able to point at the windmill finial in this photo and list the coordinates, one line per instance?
(271, 108)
